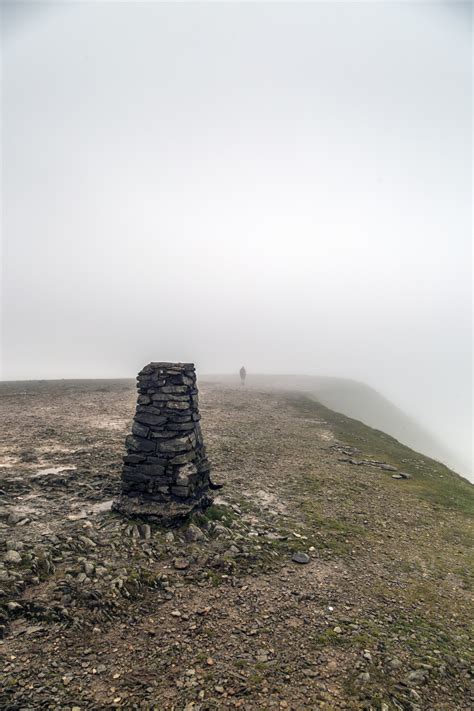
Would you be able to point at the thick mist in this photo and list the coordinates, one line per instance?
(285, 186)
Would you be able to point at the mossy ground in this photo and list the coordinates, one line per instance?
(379, 619)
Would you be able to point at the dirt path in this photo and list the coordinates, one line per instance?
(102, 613)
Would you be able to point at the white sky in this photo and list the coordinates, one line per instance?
(282, 185)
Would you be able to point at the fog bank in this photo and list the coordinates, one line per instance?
(285, 186)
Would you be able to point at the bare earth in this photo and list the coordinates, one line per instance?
(101, 612)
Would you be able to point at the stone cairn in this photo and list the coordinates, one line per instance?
(166, 472)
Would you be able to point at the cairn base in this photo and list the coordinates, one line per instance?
(168, 514)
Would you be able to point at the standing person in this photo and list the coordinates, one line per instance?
(243, 373)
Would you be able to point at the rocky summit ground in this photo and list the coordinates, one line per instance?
(99, 612)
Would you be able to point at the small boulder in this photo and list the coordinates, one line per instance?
(181, 563)
(193, 533)
(12, 557)
(300, 557)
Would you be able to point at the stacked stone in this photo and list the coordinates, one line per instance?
(166, 472)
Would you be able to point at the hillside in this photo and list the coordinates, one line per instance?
(361, 402)
(101, 612)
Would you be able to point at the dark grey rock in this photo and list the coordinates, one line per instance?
(144, 400)
(178, 405)
(139, 444)
(175, 389)
(184, 458)
(140, 430)
(300, 557)
(181, 426)
(175, 445)
(134, 458)
(147, 418)
(181, 491)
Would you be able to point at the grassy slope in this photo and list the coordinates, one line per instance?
(419, 575)
(359, 401)
(434, 481)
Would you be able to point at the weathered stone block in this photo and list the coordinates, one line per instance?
(134, 458)
(139, 444)
(147, 418)
(178, 405)
(140, 430)
(161, 433)
(175, 389)
(151, 459)
(129, 474)
(144, 400)
(175, 445)
(181, 426)
(183, 458)
(185, 474)
(174, 417)
(150, 469)
(181, 491)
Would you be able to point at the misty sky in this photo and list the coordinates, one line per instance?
(285, 185)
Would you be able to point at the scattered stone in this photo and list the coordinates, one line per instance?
(395, 663)
(418, 676)
(12, 556)
(181, 563)
(14, 607)
(193, 533)
(220, 531)
(232, 551)
(145, 531)
(88, 568)
(300, 557)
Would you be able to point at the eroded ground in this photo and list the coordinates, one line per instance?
(99, 612)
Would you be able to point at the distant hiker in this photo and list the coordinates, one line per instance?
(243, 373)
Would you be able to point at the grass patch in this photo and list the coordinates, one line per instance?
(431, 480)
